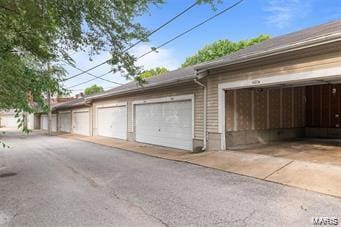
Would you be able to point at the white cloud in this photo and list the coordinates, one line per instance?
(163, 57)
(283, 12)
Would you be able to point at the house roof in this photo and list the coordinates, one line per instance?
(328, 32)
(169, 78)
(70, 104)
(172, 77)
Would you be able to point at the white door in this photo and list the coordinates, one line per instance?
(43, 122)
(30, 121)
(167, 124)
(54, 123)
(81, 122)
(9, 121)
(64, 121)
(112, 122)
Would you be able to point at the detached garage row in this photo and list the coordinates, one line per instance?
(167, 111)
(161, 112)
(283, 88)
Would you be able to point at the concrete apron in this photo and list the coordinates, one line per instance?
(322, 178)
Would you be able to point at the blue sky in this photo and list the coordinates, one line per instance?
(249, 19)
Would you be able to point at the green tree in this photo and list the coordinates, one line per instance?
(33, 33)
(150, 73)
(221, 48)
(93, 90)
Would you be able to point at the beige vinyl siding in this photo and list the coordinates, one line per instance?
(291, 66)
(184, 89)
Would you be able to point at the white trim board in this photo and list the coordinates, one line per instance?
(290, 78)
(64, 111)
(81, 110)
(163, 100)
(111, 105)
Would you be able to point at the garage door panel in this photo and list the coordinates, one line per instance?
(112, 122)
(54, 123)
(167, 124)
(44, 121)
(81, 123)
(65, 122)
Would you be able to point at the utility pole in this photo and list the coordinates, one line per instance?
(49, 116)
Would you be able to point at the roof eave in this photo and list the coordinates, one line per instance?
(131, 91)
(273, 52)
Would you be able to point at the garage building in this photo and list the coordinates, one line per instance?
(284, 88)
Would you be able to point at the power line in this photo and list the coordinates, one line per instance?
(105, 88)
(87, 81)
(191, 29)
(138, 42)
(97, 77)
(179, 35)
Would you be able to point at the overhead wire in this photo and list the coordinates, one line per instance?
(138, 42)
(177, 36)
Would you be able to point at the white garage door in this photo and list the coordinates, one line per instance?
(64, 121)
(9, 121)
(81, 122)
(167, 124)
(44, 122)
(30, 121)
(54, 123)
(112, 122)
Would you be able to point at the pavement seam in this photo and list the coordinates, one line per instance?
(287, 164)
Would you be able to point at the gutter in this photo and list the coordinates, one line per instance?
(205, 111)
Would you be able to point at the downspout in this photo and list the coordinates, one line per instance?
(205, 111)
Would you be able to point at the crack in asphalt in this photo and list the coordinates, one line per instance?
(96, 185)
(139, 207)
(91, 181)
(239, 220)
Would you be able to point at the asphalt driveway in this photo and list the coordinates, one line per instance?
(54, 181)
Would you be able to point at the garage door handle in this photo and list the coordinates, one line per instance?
(159, 130)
